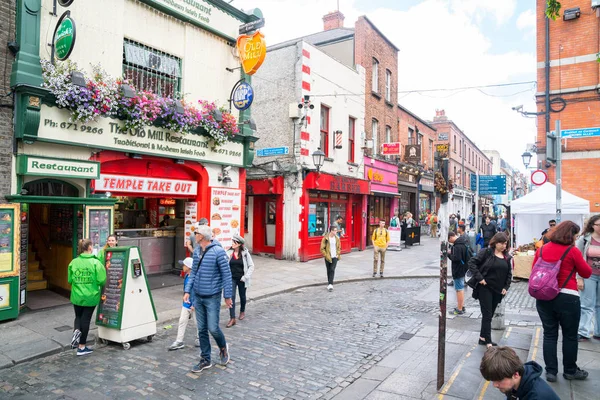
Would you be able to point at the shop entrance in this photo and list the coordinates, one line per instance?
(356, 225)
(53, 232)
(265, 216)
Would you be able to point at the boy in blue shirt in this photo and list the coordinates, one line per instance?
(187, 311)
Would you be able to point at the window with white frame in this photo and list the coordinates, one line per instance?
(388, 85)
(375, 76)
(375, 134)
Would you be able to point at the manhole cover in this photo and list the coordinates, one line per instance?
(64, 328)
(406, 336)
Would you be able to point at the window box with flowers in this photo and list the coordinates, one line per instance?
(102, 96)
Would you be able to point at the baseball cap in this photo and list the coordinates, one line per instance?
(187, 262)
(203, 221)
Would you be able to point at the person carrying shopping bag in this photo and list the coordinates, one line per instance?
(242, 267)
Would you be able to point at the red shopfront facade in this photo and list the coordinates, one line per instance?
(325, 197)
(384, 196)
(267, 215)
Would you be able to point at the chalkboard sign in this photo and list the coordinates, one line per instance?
(137, 268)
(109, 310)
(413, 236)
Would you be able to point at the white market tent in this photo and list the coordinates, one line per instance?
(533, 211)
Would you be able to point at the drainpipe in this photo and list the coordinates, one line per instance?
(547, 71)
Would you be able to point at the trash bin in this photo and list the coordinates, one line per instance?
(498, 318)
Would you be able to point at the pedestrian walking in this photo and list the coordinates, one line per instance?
(111, 241)
(331, 249)
(487, 230)
(410, 222)
(381, 238)
(506, 371)
(589, 289)
(471, 220)
(210, 276)
(395, 221)
(187, 310)
(460, 255)
(433, 222)
(242, 267)
(86, 275)
(565, 309)
(453, 223)
(491, 268)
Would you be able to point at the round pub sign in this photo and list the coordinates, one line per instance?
(64, 36)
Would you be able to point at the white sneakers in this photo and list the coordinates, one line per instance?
(330, 288)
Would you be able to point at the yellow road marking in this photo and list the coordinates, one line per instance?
(508, 332)
(448, 384)
(535, 343)
(483, 390)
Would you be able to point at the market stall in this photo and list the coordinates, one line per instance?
(531, 215)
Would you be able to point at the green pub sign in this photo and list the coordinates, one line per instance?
(64, 36)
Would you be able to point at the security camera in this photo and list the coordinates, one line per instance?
(312, 106)
(227, 168)
(518, 108)
(548, 164)
(306, 97)
(300, 105)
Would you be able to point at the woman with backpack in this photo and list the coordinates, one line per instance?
(491, 268)
(565, 308)
(589, 245)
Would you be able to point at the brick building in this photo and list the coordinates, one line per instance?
(571, 94)
(7, 34)
(466, 159)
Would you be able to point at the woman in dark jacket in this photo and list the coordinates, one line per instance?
(491, 267)
(564, 309)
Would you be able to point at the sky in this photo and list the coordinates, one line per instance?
(444, 44)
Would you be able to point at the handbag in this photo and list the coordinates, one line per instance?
(470, 279)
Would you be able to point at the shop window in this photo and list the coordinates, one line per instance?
(151, 70)
(318, 219)
(335, 210)
(325, 130)
(351, 131)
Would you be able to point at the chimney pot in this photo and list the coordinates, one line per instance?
(333, 20)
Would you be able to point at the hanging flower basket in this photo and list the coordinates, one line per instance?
(102, 96)
(441, 186)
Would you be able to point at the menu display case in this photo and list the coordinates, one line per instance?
(157, 246)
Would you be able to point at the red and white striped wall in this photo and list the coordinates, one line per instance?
(304, 133)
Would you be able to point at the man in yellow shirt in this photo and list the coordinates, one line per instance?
(381, 238)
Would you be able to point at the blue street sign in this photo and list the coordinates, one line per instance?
(273, 151)
(489, 184)
(579, 133)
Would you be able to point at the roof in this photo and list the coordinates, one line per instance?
(380, 33)
(428, 124)
(319, 38)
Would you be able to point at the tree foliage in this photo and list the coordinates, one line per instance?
(552, 9)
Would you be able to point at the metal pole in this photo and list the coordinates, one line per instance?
(558, 172)
(476, 204)
(443, 223)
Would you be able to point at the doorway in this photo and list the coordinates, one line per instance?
(355, 232)
(264, 224)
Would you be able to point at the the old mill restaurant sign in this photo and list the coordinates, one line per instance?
(252, 51)
(108, 133)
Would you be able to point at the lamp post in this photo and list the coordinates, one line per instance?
(318, 159)
(526, 159)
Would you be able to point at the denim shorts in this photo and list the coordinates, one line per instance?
(459, 284)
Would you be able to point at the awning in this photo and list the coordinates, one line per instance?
(88, 201)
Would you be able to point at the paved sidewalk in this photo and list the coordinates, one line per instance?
(44, 332)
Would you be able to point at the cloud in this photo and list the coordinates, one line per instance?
(442, 45)
(526, 20)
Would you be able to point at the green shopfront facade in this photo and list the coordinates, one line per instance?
(59, 164)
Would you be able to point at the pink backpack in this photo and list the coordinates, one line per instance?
(543, 282)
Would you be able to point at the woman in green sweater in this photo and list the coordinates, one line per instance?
(86, 275)
(111, 241)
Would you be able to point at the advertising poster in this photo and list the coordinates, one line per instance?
(191, 217)
(312, 219)
(6, 240)
(110, 300)
(225, 214)
(394, 236)
(4, 295)
(99, 228)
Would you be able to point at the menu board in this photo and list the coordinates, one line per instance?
(191, 217)
(110, 300)
(24, 252)
(99, 228)
(61, 223)
(7, 218)
(225, 214)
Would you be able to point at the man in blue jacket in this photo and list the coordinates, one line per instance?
(209, 277)
(515, 380)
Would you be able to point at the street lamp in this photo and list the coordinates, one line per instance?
(318, 159)
(526, 159)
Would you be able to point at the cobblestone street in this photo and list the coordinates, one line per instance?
(306, 344)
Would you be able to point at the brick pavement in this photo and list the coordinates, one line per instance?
(306, 344)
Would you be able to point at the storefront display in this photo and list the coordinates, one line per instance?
(325, 198)
(383, 200)
(9, 261)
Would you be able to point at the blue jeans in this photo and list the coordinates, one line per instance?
(207, 316)
(590, 306)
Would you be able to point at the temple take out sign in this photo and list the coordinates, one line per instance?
(107, 133)
(143, 184)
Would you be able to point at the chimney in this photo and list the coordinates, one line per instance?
(440, 115)
(333, 20)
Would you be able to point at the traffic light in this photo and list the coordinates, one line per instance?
(551, 149)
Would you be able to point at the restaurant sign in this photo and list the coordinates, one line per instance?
(40, 166)
(145, 185)
(412, 153)
(252, 51)
(383, 176)
(389, 149)
(108, 133)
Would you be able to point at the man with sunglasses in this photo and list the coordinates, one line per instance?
(552, 224)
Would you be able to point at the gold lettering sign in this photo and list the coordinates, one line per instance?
(252, 51)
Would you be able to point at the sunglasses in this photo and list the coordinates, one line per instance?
(235, 241)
